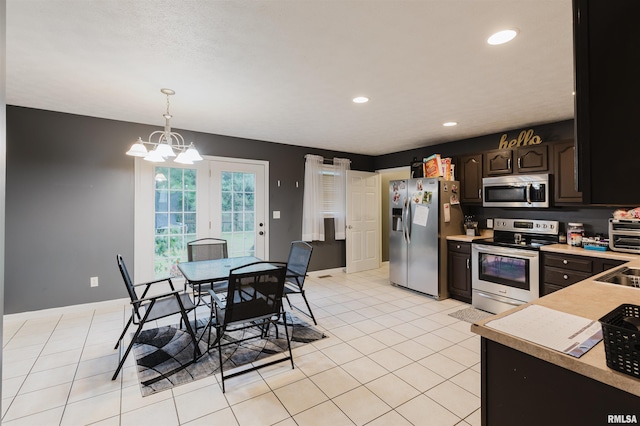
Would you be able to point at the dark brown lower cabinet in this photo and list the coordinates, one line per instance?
(562, 270)
(459, 273)
(519, 389)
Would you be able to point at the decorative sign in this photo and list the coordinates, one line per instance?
(526, 137)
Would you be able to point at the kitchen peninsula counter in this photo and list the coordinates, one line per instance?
(541, 386)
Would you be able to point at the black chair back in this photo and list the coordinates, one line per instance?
(298, 263)
(128, 283)
(255, 292)
(207, 249)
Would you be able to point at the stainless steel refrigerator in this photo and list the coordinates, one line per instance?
(423, 213)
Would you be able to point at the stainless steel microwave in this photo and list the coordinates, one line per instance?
(516, 191)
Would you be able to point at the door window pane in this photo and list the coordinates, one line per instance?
(175, 213)
(238, 217)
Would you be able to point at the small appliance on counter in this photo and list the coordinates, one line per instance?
(624, 235)
(471, 226)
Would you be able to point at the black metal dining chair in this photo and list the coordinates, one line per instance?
(297, 265)
(253, 299)
(206, 249)
(146, 308)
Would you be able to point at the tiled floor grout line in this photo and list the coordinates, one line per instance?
(34, 363)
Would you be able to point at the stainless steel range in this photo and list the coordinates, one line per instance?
(506, 268)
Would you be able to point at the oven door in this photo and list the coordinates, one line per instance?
(510, 276)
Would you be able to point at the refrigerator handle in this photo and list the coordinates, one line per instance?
(407, 222)
(404, 226)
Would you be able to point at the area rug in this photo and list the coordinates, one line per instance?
(164, 355)
(471, 315)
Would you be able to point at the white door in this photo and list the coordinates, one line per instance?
(238, 206)
(363, 221)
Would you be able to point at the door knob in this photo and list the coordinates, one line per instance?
(349, 227)
(261, 232)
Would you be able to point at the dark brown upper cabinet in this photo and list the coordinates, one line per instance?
(564, 173)
(606, 35)
(470, 167)
(498, 162)
(532, 159)
(526, 159)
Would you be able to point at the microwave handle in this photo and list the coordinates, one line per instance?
(528, 193)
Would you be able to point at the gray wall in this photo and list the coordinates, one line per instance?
(70, 203)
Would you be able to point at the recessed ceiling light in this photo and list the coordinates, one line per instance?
(361, 99)
(450, 124)
(502, 37)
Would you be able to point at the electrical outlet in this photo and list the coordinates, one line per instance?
(94, 281)
(489, 223)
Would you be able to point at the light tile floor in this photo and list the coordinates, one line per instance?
(393, 357)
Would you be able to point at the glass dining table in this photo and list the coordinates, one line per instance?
(206, 271)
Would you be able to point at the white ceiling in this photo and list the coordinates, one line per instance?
(286, 70)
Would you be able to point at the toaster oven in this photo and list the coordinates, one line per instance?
(624, 235)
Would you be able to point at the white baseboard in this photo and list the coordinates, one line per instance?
(66, 309)
(321, 272)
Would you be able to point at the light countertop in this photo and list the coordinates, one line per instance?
(588, 299)
(485, 233)
(579, 251)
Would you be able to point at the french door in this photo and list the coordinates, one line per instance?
(174, 204)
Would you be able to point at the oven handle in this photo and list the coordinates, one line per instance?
(499, 298)
(521, 253)
(528, 193)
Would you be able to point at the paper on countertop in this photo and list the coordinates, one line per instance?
(566, 333)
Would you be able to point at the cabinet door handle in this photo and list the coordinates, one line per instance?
(467, 263)
(458, 246)
(509, 163)
(565, 276)
(519, 162)
(565, 261)
(480, 193)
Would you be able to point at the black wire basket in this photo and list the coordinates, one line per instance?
(622, 339)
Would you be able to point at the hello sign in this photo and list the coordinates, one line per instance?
(526, 137)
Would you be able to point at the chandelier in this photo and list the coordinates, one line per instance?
(165, 143)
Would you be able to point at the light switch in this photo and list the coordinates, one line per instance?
(276, 214)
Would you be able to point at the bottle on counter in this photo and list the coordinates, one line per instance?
(575, 232)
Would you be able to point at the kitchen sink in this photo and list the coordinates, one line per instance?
(626, 276)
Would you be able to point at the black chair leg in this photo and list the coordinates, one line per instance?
(124, 332)
(219, 340)
(286, 330)
(126, 353)
(304, 297)
(196, 349)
